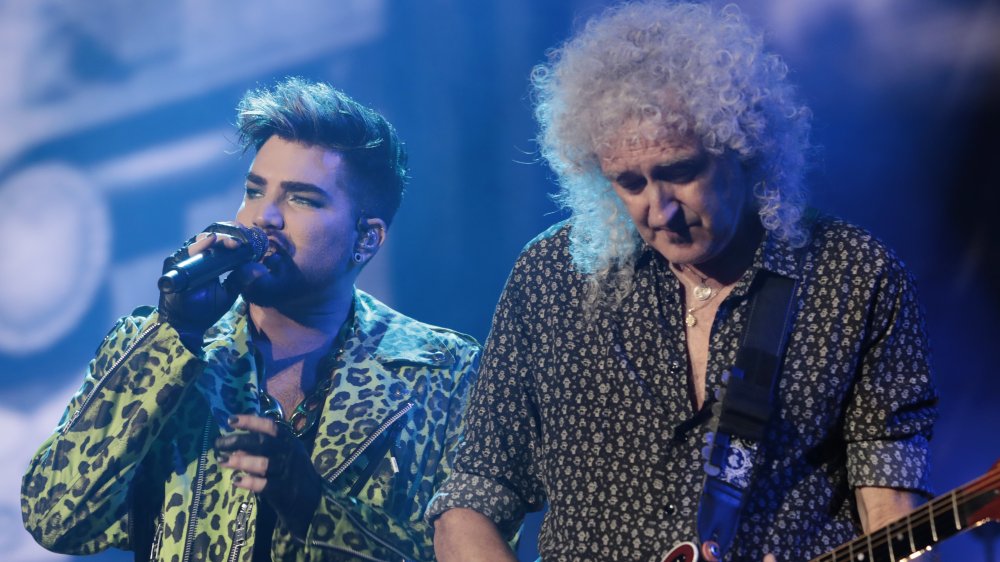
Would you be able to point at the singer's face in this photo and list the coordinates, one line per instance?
(297, 194)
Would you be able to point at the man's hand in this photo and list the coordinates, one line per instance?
(193, 311)
(275, 465)
(878, 507)
(464, 535)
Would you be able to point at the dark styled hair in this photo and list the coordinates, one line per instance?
(317, 114)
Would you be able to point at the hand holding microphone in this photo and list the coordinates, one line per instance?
(191, 296)
(209, 264)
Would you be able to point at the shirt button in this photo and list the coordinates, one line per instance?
(670, 509)
(438, 357)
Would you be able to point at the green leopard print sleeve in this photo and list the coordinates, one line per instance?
(75, 493)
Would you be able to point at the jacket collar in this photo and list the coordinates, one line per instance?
(389, 337)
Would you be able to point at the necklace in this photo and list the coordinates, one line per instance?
(307, 413)
(689, 318)
(703, 292)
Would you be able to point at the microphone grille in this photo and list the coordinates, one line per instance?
(257, 240)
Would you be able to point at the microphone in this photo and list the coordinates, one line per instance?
(215, 261)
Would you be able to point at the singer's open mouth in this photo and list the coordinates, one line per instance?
(274, 248)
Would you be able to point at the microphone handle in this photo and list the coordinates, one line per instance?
(203, 267)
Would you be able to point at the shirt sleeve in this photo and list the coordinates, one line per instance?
(494, 473)
(890, 417)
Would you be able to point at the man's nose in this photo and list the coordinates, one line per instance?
(663, 206)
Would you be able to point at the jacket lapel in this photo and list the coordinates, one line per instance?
(370, 382)
(229, 380)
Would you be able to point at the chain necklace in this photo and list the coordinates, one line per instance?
(307, 413)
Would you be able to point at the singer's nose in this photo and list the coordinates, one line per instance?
(269, 217)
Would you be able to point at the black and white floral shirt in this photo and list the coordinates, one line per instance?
(594, 414)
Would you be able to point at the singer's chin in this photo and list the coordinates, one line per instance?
(275, 288)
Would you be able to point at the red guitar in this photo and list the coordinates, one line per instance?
(947, 515)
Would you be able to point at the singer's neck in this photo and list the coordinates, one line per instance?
(298, 331)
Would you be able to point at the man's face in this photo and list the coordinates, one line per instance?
(297, 195)
(686, 203)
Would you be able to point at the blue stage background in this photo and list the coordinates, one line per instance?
(116, 144)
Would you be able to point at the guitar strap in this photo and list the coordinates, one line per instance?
(742, 412)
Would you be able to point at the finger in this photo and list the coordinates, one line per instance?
(251, 464)
(206, 240)
(251, 443)
(249, 482)
(201, 243)
(228, 241)
(253, 423)
(770, 558)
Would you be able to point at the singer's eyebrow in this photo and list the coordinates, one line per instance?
(293, 186)
(303, 187)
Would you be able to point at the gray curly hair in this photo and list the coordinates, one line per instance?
(678, 69)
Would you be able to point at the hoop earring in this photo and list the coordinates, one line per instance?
(358, 258)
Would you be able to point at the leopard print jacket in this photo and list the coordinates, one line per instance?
(130, 464)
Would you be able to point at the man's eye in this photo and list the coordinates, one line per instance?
(631, 182)
(682, 172)
(252, 193)
(305, 201)
(685, 174)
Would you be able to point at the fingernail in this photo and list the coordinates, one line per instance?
(237, 479)
(223, 458)
(233, 419)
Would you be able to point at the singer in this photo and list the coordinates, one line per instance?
(281, 414)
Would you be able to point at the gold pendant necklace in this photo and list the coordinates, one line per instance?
(702, 292)
(689, 319)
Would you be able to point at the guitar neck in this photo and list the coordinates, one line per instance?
(963, 508)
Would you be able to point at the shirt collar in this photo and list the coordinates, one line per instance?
(777, 256)
(772, 254)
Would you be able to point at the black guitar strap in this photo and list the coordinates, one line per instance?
(743, 410)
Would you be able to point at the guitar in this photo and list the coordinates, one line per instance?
(963, 508)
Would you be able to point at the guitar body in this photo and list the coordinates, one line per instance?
(684, 552)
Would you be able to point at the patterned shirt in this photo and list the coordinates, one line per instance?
(593, 414)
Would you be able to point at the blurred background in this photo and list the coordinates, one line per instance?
(116, 144)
